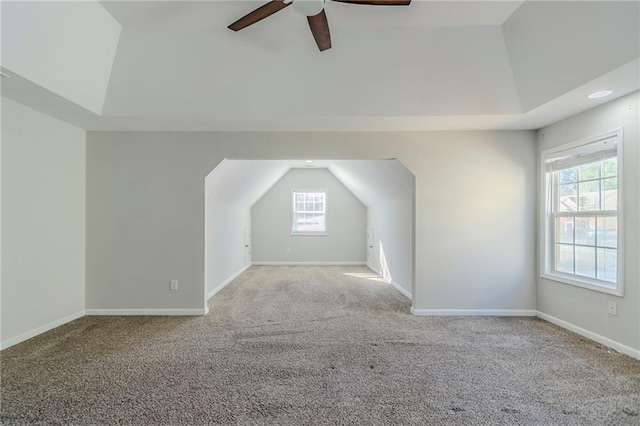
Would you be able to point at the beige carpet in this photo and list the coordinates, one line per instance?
(315, 345)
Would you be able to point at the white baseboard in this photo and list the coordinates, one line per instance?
(39, 330)
(374, 269)
(475, 312)
(627, 350)
(227, 281)
(400, 289)
(393, 283)
(120, 312)
(310, 263)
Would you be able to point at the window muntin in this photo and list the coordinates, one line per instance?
(309, 212)
(582, 220)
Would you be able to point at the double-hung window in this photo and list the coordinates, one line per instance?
(581, 233)
(309, 215)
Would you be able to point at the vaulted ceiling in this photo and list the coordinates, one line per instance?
(373, 182)
(173, 65)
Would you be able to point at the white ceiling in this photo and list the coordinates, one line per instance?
(209, 14)
(77, 68)
(243, 182)
(431, 65)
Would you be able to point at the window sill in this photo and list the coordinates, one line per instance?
(599, 286)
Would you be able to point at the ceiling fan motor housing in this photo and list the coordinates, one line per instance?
(308, 7)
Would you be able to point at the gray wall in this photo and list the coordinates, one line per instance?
(587, 308)
(392, 224)
(43, 222)
(224, 241)
(475, 210)
(346, 222)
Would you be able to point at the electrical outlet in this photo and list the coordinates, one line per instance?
(288, 250)
(174, 285)
(613, 308)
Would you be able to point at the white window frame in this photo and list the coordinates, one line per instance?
(293, 211)
(546, 230)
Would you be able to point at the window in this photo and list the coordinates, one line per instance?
(582, 222)
(309, 212)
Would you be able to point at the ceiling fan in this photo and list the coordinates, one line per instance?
(313, 10)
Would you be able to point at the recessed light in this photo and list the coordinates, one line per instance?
(600, 94)
(308, 161)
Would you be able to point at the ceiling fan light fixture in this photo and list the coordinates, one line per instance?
(308, 7)
(313, 10)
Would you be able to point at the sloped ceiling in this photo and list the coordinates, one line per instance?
(431, 65)
(243, 182)
(40, 42)
(373, 182)
(568, 45)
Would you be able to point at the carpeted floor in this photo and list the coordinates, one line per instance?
(315, 345)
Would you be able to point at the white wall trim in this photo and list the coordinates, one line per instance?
(400, 289)
(627, 350)
(227, 281)
(475, 312)
(119, 312)
(39, 330)
(362, 263)
(373, 269)
(393, 283)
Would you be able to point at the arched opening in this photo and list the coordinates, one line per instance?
(250, 218)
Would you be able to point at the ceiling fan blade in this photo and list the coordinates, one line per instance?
(378, 2)
(259, 14)
(320, 30)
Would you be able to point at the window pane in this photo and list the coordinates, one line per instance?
(586, 261)
(583, 215)
(607, 265)
(607, 234)
(318, 222)
(564, 230)
(311, 223)
(610, 167)
(585, 230)
(589, 171)
(564, 258)
(590, 195)
(567, 198)
(610, 194)
(303, 222)
(568, 175)
(308, 212)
